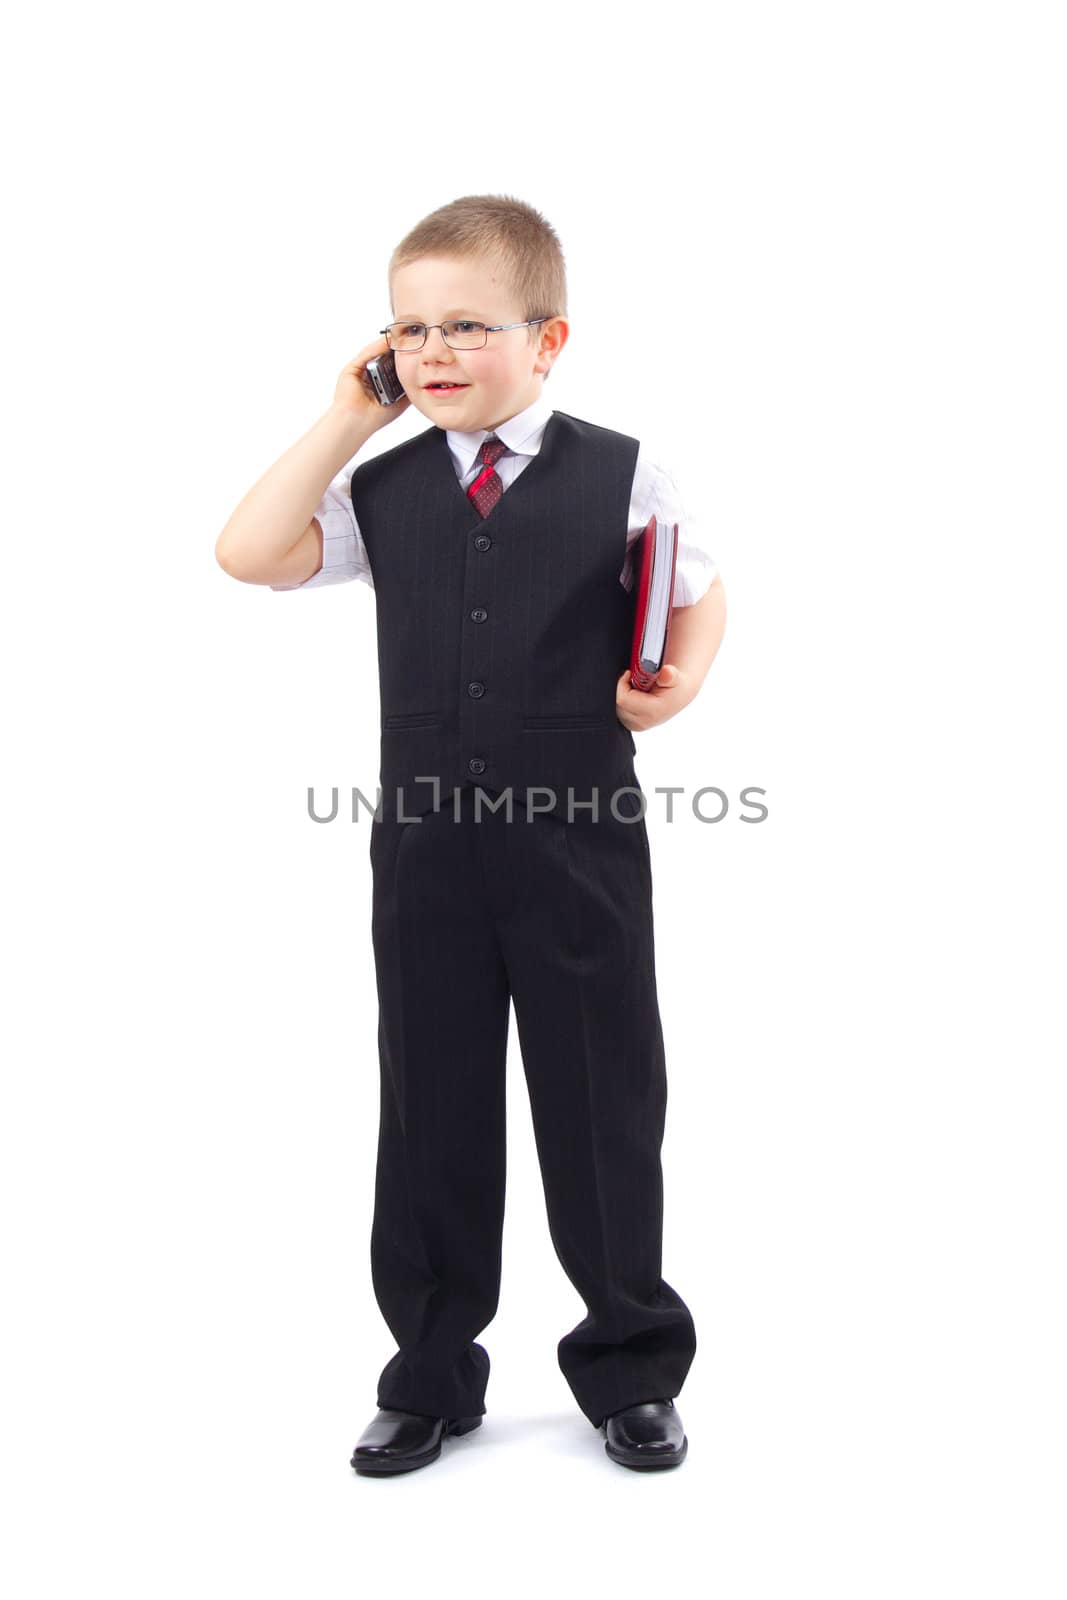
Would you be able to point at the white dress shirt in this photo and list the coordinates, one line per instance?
(344, 555)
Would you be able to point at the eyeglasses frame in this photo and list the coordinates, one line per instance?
(500, 327)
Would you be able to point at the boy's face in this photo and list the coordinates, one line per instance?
(502, 378)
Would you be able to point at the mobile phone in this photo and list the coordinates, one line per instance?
(382, 373)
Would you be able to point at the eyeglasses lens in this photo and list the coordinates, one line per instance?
(461, 335)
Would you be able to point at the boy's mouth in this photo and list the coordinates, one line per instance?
(445, 388)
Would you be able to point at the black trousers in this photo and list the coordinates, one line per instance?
(556, 917)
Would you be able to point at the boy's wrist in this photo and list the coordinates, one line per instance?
(351, 428)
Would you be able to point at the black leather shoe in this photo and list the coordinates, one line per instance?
(400, 1441)
(645, 1436)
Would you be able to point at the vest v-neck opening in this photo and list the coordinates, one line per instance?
(520, 479)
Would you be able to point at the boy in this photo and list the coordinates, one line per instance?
(509, 854)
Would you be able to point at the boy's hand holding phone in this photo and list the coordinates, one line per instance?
(356, 393)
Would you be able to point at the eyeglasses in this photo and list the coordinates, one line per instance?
(459, 334)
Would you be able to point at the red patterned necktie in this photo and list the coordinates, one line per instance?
(487, 488)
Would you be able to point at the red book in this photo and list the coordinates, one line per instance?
(655, 560)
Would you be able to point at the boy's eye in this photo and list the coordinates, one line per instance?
(467, 327)
(411, 327)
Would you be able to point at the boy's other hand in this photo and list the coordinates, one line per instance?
(638, 709)
(355, 394)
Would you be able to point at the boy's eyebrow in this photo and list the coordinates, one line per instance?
(458, 311)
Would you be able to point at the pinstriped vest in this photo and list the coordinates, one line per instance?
(501, 639)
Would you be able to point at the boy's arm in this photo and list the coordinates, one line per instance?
(302, 562)
(695, 636)
(273, 537)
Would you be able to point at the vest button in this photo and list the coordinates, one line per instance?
(479, 614)
(476, 690)
(476, 764)
(482, 541)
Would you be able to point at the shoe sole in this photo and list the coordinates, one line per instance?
(642, 1462)
(383, 1466)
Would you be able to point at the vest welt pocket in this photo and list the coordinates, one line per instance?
(412, 719)
(560, 721)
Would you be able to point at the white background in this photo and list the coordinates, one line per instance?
(816, 255)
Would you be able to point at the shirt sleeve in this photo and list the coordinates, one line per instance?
(654, 491)
(344, 555)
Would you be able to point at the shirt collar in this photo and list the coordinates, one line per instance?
(521, 433)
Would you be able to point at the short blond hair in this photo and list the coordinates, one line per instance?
(506, 230)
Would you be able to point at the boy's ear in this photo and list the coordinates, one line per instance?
(553, 337)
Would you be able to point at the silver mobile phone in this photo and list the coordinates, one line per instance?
(382, 373)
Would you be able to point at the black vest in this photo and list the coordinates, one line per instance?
(501, 639)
